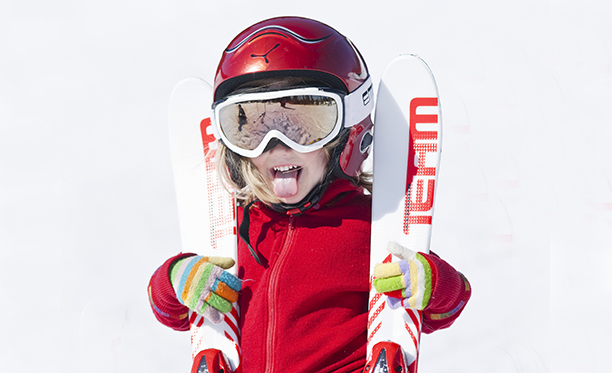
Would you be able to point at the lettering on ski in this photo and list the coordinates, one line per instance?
(407, 146)
(421, 177)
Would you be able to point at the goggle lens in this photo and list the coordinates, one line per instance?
(303, 119)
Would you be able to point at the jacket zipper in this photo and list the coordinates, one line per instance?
(272, 298)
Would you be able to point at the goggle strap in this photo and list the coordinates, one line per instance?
(359, 104)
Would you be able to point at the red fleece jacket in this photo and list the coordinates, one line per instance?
(305, 310)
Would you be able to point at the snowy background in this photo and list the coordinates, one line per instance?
(87, 209)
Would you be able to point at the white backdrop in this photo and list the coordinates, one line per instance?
(87, 209)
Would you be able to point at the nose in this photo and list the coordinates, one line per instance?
(273, 145)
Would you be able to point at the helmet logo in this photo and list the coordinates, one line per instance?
(366, 96)
(265, 56)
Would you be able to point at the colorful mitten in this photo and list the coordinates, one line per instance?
(204, 287)
(408, 282)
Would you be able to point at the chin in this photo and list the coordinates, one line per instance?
(292, 200)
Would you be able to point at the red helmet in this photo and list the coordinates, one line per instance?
(301, 47)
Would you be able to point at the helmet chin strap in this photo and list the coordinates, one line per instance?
(334, 171)
(290, 209)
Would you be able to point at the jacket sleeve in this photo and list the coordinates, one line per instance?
(450, 293)
(162, 298)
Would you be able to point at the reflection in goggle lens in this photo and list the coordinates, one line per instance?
(304, 119)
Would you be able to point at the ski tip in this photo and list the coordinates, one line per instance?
(193, 81)
(409, 62)
(411, 55)
(190, 95)
(409, 58)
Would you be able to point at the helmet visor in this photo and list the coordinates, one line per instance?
(305, 119)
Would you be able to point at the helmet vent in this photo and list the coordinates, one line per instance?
(366, 141)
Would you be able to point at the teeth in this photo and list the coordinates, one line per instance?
(286, 168)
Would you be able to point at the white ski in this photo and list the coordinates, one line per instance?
(207, 212)
(407, 146)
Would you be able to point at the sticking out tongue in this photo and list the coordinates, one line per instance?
(285, 183)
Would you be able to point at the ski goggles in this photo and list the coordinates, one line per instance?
(305, 119)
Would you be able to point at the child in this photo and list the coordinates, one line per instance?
(293, 134)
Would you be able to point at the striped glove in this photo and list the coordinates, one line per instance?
(408, 283)
(203, 286)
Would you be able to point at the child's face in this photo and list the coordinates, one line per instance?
(291, 174)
